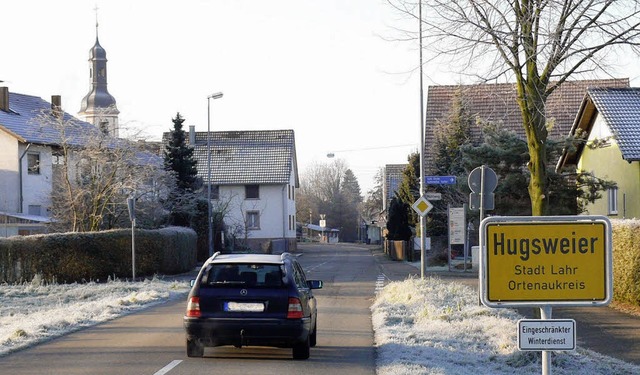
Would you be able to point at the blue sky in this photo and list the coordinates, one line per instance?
(320, 67)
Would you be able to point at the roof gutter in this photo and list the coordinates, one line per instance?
(20, 197)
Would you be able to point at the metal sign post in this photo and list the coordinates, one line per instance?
(131, 205)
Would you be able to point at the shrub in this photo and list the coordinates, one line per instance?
(76, 257)
(626, 261)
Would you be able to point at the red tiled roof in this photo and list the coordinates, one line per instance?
(497, 103)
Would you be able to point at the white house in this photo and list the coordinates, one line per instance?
(254, 174)
(28, 160)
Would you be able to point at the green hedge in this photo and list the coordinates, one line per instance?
(95, 256)
(626, 261)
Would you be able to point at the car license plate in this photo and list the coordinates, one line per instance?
(244, 306)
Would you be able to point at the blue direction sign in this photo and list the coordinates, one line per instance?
(440, 180)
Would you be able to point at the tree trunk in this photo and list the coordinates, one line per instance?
(532, 100)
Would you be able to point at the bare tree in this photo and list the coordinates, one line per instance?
(538, 44)
(330, 189)
(372, 206)
(95, 173)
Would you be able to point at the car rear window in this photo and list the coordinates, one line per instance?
(246, 275)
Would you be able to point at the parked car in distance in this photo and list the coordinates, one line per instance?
(252, 300)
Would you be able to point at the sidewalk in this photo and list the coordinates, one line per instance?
(601, 329)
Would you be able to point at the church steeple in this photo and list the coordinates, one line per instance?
(98, 106)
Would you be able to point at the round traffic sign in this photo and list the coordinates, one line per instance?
(490, 179)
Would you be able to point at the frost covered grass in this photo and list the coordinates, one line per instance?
(37, 311)
(436, 327)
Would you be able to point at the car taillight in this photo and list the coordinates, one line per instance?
(193, 307)
(295, 309)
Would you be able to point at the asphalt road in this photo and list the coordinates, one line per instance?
(152, 341)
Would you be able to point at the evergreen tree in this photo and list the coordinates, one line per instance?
(372, 206)
(507, 154)
(398, 224)
(452, 132)
(352, 199)
(409, 189)
(179, 160)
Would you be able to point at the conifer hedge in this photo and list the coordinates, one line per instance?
(626, 261)
(96, 256)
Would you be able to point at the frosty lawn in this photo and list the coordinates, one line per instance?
(37, 311)
(436, 327)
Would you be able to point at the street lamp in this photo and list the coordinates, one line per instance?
(217, 95)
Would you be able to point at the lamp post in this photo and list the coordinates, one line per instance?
(423, 221)
(217, 95)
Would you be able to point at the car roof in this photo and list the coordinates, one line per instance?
(248, 258)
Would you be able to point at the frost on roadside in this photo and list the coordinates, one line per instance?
(434, 327)
(37, 311)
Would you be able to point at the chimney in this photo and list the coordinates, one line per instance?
(192, 135)
(4, 99)
(56, 106)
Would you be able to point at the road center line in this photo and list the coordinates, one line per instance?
(168, 367)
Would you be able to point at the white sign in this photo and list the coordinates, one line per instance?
(456, 226)
(549, 334)
(433, 196)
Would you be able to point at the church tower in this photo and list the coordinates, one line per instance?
(98, 107)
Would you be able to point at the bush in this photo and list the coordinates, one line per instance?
(626, 261)
(76, 257)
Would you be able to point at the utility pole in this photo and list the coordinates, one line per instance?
(423, 221)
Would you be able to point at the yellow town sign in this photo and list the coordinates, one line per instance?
(545, 260)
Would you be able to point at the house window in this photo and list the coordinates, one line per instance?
(215, 192)
(613, 201)
(33, 163)
(35, 209)
(252, 192)
(292, 222)
(253, 220)
(291, 191)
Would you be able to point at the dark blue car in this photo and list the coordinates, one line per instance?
(252, 300)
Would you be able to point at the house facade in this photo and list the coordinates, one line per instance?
(29, 159)
(253, 177)
(609, 122)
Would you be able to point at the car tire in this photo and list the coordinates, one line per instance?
(313, 337)
(194, 348)
(301, 350)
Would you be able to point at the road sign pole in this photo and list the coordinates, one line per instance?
(482, 193)
(545, 314)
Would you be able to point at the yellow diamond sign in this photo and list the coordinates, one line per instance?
(422, 206)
